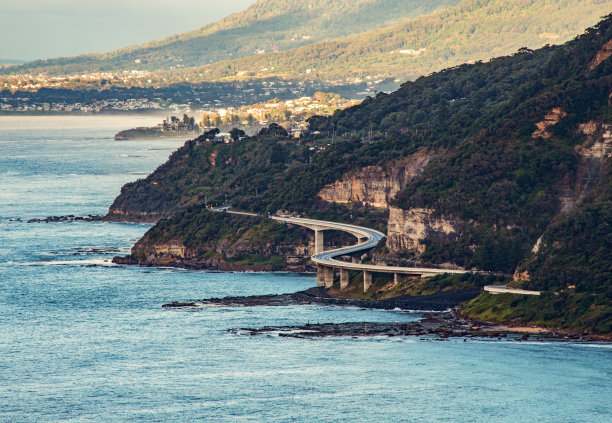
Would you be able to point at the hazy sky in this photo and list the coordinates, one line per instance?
(35, 29)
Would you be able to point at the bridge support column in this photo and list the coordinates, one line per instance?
(329, 277)
(367, 280)
(320, 275)
(395, 278)
(344, 278)
(319, 241)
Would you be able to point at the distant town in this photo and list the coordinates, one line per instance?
(131, 91)
(290, 114)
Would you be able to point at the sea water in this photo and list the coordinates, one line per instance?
(82, 340)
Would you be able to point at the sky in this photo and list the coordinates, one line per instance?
(40, 29)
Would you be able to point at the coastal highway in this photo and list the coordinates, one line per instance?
(369, 238)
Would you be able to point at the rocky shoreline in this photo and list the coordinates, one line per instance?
(89, 218)
(441, 320)
(435, 302)
(214, 265)
(67, 218)
(447, 324)
(439, 326)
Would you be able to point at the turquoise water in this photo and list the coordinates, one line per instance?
(84, 341)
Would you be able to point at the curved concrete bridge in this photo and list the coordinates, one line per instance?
(367, 239)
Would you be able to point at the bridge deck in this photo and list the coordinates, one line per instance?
(327, 258)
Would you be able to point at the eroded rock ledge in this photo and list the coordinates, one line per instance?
(437, 302)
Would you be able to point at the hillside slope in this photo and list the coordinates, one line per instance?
(471, 30)
(268, 25)
(502, 166)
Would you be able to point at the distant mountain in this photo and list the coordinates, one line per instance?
(472, 30)
(11, 62)
(268, 25)
(469, 31)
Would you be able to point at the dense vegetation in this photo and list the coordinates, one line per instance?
(576, 249)
(492, 172)
(587, 313)
(198, 229)
(268, 25)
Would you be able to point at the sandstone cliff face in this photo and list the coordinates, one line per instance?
(408, 229)
(376, 185)
(217, 255)
(594, 150)
(599, 142)
(121, 215)
(550, 119)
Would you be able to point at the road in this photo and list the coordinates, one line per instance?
(503, 289)
(370, 239)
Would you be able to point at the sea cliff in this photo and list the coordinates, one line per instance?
(510, 175)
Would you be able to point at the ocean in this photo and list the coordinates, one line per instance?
(82, 340)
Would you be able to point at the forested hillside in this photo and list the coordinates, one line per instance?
(266, 26)
(471, 30)
(519, 174)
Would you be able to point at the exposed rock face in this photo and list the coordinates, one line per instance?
(552, 118)
(594, 150)
(603, 54)
(376, 185)
(121, 215)
(217, 255)
(599, 144)
(408, 229)
(520, 277)
(212, 159)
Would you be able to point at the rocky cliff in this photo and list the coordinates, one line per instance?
(222, 241)
(408, 230)
(376, 185)
(119, 214)
(241, 255)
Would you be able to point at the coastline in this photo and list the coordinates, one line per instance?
(438, 302)
(536, 330)
(441, 318)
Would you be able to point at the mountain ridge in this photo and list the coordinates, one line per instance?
(267, 24)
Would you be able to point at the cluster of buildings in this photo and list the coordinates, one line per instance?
(266, 100)
(290, 112)
(175, 124)
(94, 106)
(29, 82)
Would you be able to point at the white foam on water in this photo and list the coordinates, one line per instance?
(88, 262)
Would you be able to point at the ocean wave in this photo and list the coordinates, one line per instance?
(88, 262)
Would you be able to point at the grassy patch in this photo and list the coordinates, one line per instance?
(383, 287)
(586, 313)
(276, 261)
